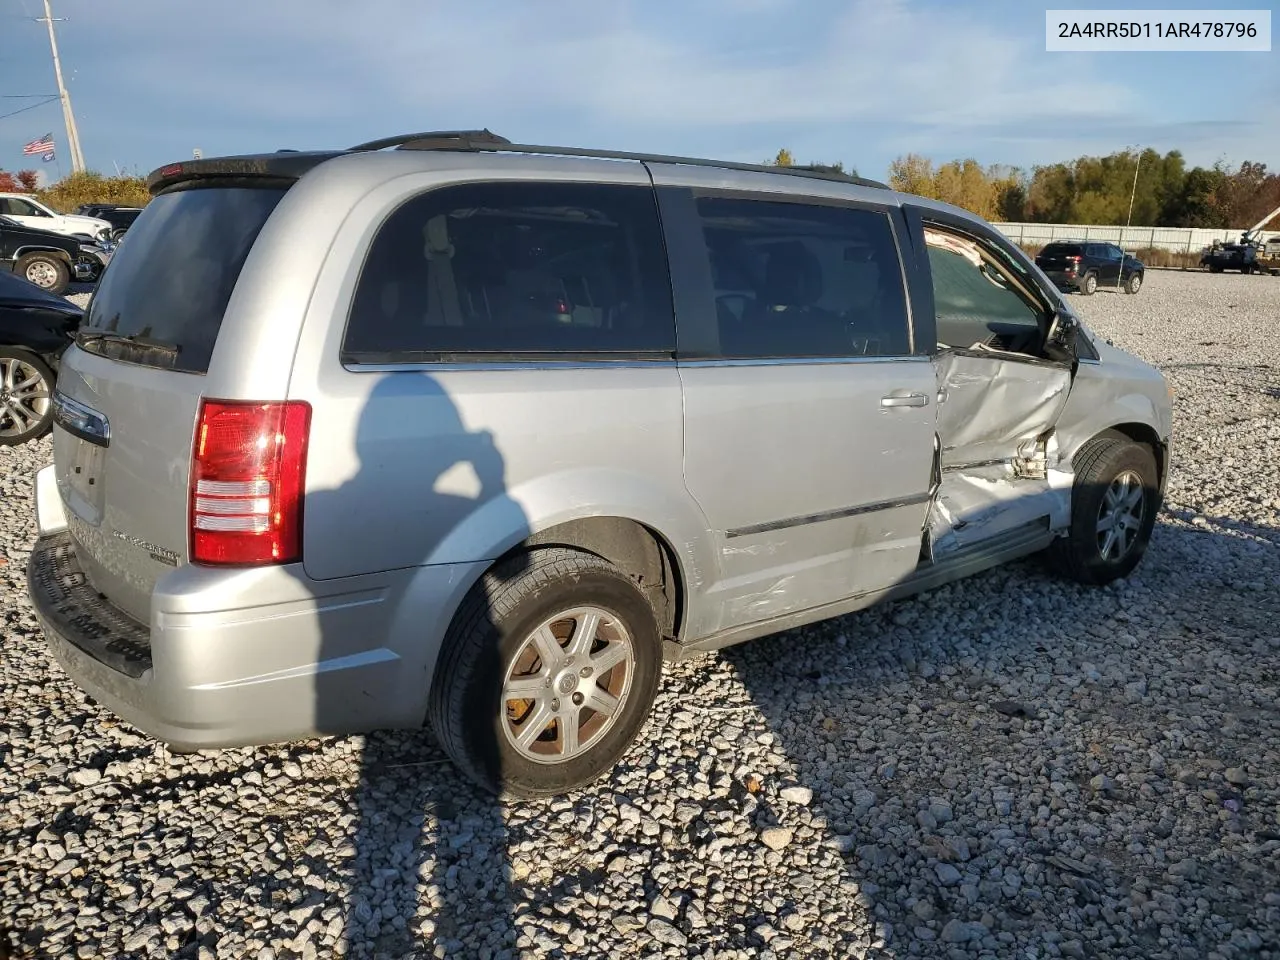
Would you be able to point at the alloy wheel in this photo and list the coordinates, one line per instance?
(566, 685)
(1120, 516)
(24, 397)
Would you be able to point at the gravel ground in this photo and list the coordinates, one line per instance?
(1011, 767)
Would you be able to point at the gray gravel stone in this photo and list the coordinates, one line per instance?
(776, 838)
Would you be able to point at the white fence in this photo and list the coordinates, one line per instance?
(1175, 239)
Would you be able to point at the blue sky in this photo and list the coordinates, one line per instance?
(860, 81)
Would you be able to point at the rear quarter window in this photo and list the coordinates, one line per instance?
(170, 282)
(510, 270)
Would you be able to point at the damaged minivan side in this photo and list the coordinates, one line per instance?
(443, 430)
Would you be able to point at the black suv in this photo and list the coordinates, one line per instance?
(120, 218)
(1085, 266)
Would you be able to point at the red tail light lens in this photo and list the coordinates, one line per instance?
(1074, 259)
(247, 476)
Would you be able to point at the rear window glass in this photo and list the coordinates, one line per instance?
(1062, 250)
(168, 284)
(515, 269)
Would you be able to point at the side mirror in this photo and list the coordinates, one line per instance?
(1060, 341)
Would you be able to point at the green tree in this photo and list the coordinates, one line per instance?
(913, 174)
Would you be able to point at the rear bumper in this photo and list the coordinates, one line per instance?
(240, 657)
(1063, 281)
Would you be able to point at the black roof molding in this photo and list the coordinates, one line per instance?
(478, 141)
(291, 164)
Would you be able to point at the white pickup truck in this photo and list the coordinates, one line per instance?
(30, 212)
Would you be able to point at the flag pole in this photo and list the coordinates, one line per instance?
(73, 136)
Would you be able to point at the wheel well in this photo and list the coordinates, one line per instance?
(1145, 435)
(56, 251)
(632, 547)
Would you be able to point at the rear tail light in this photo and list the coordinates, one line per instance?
(247, 474)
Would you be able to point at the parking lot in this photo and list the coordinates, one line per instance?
(1012, 766)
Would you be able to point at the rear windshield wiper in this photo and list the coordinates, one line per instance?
(87, 337)
(120, 346)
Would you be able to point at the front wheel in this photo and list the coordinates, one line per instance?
(547, 675)
(1113, 511)
(1090, 285)
(46, 270)
(26, 397)
(1133, 284)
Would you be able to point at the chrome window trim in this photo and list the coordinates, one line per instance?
(494, 365)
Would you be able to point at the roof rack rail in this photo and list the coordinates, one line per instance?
(487, 141)
(438, 140)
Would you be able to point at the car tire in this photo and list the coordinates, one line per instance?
(1214, 268)
(1133, 284)
(1114, 502)
(1090, 284)
(26, 397)
(498, 646)
(47, 271)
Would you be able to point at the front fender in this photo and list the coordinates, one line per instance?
(1095, 406)
(56, 251)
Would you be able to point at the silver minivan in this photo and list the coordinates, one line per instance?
(447, 430)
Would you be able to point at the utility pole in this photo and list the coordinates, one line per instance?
(73, 135)
(1132, 193)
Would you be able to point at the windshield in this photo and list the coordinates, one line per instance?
(170, 284)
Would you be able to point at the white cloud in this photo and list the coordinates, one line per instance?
(740, 72)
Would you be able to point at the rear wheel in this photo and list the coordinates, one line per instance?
(46, 270)
(547, 675)
(1133, 284)
(1090, 285)
(1113, 511)
(26, 397)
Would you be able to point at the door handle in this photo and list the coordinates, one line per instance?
(904, 400)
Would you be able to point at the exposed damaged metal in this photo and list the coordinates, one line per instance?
(993, 408)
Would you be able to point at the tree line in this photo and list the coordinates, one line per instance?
(78, 188)
(1087, 190)
(1094, 190)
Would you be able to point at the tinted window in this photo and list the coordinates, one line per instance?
(801, 280)
(516, 269)
(1062, 250)
(976, 302)
(171, 282)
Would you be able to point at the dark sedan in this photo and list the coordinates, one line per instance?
(36, 327)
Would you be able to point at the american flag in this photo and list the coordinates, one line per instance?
(42, 146)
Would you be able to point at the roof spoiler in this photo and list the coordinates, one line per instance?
(284, 165)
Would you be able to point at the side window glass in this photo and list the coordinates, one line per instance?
(22, 208)
(803, 280)
(978, 303)
(516, 269)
